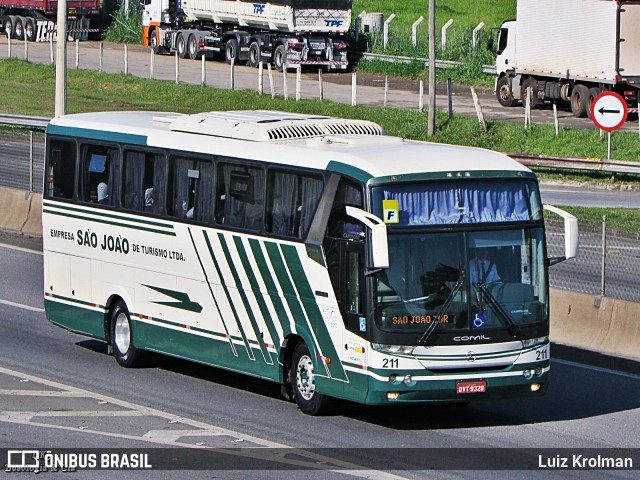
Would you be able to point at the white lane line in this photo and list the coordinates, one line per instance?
(20, 249)
(596, 369)
(21, 305)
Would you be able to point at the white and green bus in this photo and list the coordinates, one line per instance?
(311, 251)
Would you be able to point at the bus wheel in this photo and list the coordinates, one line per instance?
(126, 353)
(304, 384)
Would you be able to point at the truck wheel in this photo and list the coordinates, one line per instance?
(7, 25)
(18, 28)
(231, 51)
(530, 88)
(181, 46)
(280, 58)
(254, 55)
(124, 349)
(304, 384)
(593, 93)
(504, 93)
(579, 100)
(30, 30)
(192, 47)
(153, 42)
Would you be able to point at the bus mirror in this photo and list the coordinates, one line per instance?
(379, 247)
(570, 235)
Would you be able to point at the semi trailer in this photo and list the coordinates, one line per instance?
(286, 33)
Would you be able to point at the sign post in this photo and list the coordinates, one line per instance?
(609, 112)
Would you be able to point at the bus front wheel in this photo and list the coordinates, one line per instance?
(302, 379)
(124, 349)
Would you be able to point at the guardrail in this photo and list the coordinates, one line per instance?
(530, 160)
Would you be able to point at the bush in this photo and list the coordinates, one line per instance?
(126, 26)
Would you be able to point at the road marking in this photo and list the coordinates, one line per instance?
(21, 305)
(596, 369)
(20, 249)
(302, 459)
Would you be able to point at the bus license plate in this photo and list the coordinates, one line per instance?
(464, 388)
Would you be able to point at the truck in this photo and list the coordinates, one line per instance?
(568, 52)
(286, 33)
(35, 20)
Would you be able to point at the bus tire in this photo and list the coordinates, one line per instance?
(303, 382)
(124, 349)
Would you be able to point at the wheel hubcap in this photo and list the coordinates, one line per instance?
(304, 378)
(122, 333)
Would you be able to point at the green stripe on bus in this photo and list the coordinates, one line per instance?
(255, 287)
(349, 170)
(229, 299)
(313, 310)
(97, 134)
(98, 213)
(243, 296)
(106, 222)
(274, 294)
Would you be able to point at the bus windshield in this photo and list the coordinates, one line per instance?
(456, 262)
(463, 281)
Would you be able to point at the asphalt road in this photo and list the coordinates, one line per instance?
(58, 389)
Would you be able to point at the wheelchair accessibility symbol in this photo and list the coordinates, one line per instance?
(479, 320)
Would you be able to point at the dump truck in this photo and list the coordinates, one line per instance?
(569, 52)
(286, 33)
(35, 20)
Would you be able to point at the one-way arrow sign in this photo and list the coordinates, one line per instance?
(609, 111)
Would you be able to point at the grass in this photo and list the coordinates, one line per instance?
(619, 219)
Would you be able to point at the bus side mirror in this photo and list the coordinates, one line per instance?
(570, 234)
(379, 245)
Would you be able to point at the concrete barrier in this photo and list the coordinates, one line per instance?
(21, 211)
(601, 324)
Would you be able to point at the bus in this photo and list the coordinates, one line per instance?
(312, 251)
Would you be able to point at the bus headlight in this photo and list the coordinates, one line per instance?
(381, 347)
(532, 342)
(527, 374)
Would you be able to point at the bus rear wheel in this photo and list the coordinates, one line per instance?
(124, 349)
(302, 379)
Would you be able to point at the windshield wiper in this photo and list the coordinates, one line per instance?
(502, 314)
(432, 326)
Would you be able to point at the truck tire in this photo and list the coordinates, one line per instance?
(231, 51)
(593, 93)
(280, 58)
(579, 100)
(153, 42)
(530, 87)
(192, 48)
(7, 25)
(181, 46)
(504, 93)
(18, 28)
(30, 30)
(254, 54)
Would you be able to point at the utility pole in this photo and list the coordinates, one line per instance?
(61, 60)
(431, 127)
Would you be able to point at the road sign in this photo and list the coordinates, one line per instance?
(609, 111)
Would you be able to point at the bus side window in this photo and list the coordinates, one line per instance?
(191, 182)
(99, 167)
(61, 170)
(341, 226)
(143, 181)
(292, 201)
(240, 196)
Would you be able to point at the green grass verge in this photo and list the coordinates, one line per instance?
(620, 219)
